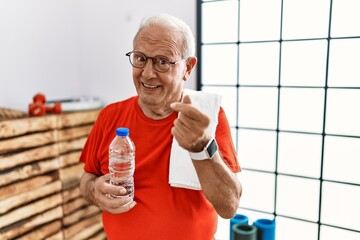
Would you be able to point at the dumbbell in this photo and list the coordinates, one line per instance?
(39, 107)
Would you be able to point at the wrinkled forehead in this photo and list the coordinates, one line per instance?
(160, 37)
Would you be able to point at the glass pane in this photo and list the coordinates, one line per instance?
(258, 191)
(259, 63)
(228, 102)
(303, 63)
(249, 153)
(340, 205)
(327, 233)
(344, 14)
(344, 70)
(258, 107)
(298, 197)
(299, 151)
(290, 229)
(305, 19)
(220, 21)
(342, 159)
(343, 112)
(301, 109)
(219, 64)
(251, 29)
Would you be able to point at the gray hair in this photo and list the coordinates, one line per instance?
(175, 23)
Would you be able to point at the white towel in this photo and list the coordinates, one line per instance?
(182, 172)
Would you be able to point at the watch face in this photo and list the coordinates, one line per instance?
(212, 148)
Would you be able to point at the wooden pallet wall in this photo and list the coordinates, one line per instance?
(39, 178)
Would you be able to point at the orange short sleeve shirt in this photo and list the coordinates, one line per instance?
(162, 211)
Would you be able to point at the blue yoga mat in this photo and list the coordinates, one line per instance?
(265, 229)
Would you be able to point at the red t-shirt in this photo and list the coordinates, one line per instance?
(162, 211)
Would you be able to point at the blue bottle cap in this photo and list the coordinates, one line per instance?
(122, 132)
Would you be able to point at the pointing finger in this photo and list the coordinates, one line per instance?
(186, 99)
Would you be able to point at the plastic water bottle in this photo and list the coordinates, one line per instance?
(122, 162)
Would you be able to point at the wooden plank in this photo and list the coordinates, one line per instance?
(27, 156)
(74, 171)
(28, 171)
(74, 205)
(78, 118)
(40, 219)
(87, 232)
(28, 141)
(79, 214)
(99, 236)
(48, 145)
(18, 127)
(26, 185)
(30, 210)
(28, 196)
(74, 229)
(56, 236)
(43, 231)
(71, 183)
(8, 113)
(70, 176)
(72, 145)
(69, 159)
(75, 132)
(70, 194)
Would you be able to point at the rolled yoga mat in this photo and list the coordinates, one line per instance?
(244, 232)
(237, 219)
(265, 229)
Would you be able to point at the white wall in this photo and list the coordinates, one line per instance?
(38, 46)
(69, 48)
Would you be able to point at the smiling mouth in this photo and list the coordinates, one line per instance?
(150, 86)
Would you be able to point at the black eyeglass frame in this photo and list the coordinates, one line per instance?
(153, 60)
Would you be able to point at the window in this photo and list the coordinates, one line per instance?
(289, 75)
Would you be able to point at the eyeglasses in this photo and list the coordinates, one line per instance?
(160, 63)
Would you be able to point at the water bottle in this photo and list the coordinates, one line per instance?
(122, 162)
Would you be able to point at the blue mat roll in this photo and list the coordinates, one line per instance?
(265, 229)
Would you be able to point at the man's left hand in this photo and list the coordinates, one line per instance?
(190, 127)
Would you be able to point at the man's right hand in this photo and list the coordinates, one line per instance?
(97, 190)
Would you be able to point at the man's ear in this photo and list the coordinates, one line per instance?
(190, 64)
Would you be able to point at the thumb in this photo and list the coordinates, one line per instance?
(186, 99)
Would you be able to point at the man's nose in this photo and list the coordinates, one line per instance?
(149, 69)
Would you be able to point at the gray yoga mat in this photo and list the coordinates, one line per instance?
(244, 232)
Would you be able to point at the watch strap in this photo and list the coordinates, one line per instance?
(199, 155)
(204, 154)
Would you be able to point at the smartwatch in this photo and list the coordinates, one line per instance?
(207, 153)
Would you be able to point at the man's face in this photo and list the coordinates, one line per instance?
(156, 89)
